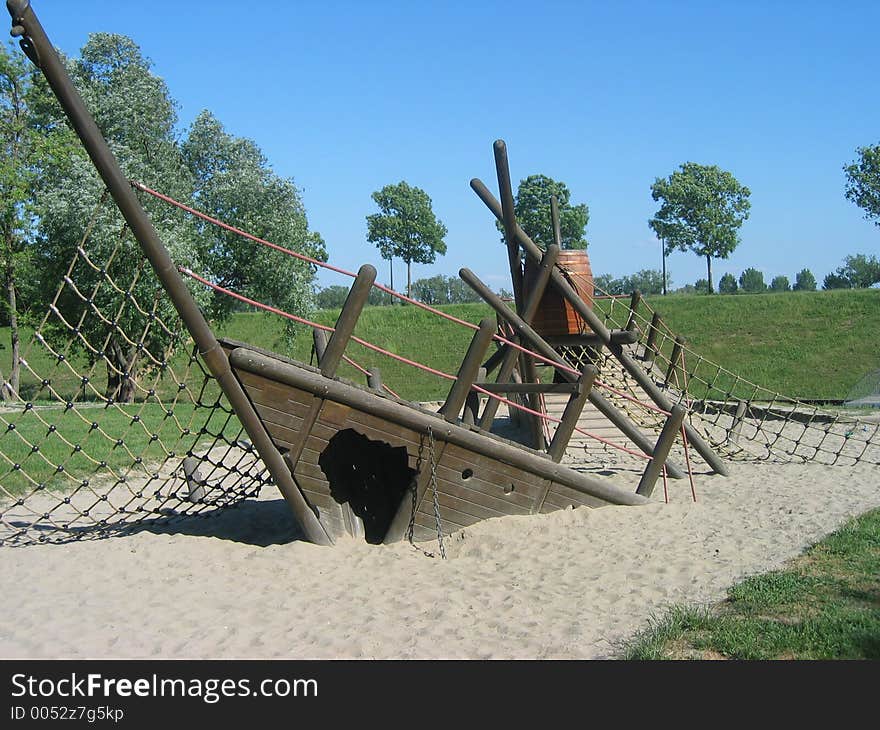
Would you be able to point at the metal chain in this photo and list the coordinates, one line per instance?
(434, 490)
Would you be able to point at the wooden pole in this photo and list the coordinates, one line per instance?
(467, 373)
(472, 402)
(673, 360)
(508, 219)
(374, 379)
(633, 309)
(40, 49)
(320, 340)
(651, 341)
(538, 343)
(348, 317)
(736, 426)
(671, 429)
(592, 319)
(572, 413)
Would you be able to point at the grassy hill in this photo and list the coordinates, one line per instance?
(802, 344)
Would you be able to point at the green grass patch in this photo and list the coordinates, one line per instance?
(58, 448)
(799, 344)
(823, 605)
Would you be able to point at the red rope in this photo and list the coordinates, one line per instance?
(330, 267)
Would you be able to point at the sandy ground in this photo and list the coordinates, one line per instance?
(573, 584)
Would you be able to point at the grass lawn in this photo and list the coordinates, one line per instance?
(823, 605)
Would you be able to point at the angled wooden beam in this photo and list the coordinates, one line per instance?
(348, 318)
(671, 429)
(468, 371)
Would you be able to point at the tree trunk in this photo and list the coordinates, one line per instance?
(409, 279)
(120, 373)
(709, 270)
(14, 336)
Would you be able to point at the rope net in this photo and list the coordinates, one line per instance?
(741, 420)
(117, 420)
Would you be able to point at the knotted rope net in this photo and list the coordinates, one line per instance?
(117, 420)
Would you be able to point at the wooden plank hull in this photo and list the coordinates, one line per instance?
(371, 465)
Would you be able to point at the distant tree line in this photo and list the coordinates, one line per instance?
(432, 290)
(858, 272)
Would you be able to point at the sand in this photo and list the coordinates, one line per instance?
(572, 584)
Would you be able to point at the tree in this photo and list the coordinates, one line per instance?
(863, 181)
(752, 281)
(805, 281)
(443, 290)
(406, 227)
(780, 283)
(836, 281)
(701, 286)
(647, 281)
(333, 297)
(21, 147)
(226, 176)
(703, 209)
(858, 272)
(727, 285)
(233, 182)
(532, 207)
(136, 115)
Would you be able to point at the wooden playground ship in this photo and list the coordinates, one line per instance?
(355, 460)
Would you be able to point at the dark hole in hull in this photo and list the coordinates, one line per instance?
(372, 476)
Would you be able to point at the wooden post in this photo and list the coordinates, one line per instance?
(472, 402)
(572, 413)
(548, 261)
(673, 360)
(540, 344)
(595, 323)
(671, 429)
(736, 427)
(467, 373)
(38, 46)
(374, 379)
(348, 317)
(320, 339)
(651, 341)
(633, 309)
(508, 219)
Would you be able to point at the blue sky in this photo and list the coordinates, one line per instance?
(345, 97)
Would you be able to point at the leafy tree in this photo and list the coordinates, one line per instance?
(226, 176)
(805, 281)
(234, 182)
(701, 286)
(836, 280)
(333, 297)
(443, 290)
(780, 283)
(406, 227)
(136, 115)
(532, 207)
(703, 209)
(647, 281)
(752, 281)
(21, 147)
(858, 272)
(863, 181)
(727, 284)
